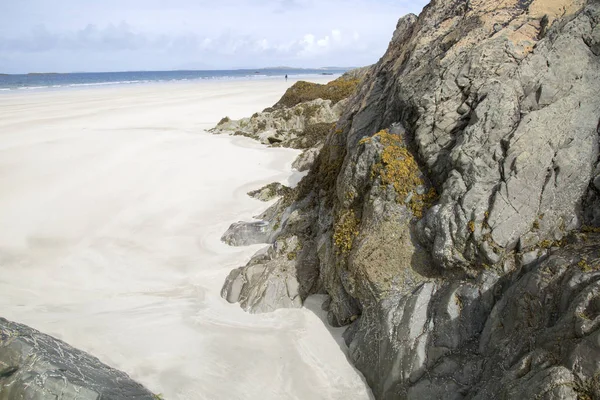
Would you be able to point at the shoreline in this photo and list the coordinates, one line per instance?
(85, 86)
(110, 242)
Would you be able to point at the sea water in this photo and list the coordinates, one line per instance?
(36, 81)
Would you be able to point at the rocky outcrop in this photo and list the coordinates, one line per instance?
(247, 233)
(267, 226)
(516, 172)
(303, 116)
(39, 367)
(307, 159)
(300, 126)
(286, 272)
(253, 287)
(468, 83)
(301, 119)
(451, 210)
(357, 73)
(335, 91)
(269, 192)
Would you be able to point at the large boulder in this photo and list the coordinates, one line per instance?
(35, 366)
(268, 283)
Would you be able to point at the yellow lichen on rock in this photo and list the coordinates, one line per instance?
(399, 169)
(471, 226)
(387, 259)
(345, 230)
(364, 140)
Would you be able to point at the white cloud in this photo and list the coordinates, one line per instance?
(308, 40)
(336, 35)
(154, 34)
(324, 43)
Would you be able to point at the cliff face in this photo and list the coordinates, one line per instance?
(500, 104)
(450, 214)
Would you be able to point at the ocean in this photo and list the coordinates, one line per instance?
(42, 81)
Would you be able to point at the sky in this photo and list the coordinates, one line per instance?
(128, 35)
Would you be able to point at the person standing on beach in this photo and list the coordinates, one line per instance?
(286, 77)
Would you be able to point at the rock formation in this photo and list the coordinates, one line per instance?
(269, 192)
(451, 213)
(300, 126)
(36, 366)
(301, 119)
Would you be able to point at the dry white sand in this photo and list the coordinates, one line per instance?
(112, 203)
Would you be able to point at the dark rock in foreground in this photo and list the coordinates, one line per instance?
(35, 366)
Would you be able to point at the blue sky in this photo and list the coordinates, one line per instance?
(118, 35)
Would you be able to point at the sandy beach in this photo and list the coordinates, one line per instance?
(112, 204)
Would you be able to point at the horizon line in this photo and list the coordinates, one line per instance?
(182, 70)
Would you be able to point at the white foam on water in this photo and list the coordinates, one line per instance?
(32, 87)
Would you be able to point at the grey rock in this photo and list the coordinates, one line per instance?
(283, 274)
(529, 257)
(306, 160)
(530, 334)
(301, 126)
(276, 277)
(263, 287)
(247, 233)
(36, 366)
(490, 294)
(269, 192)
(357, 73)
